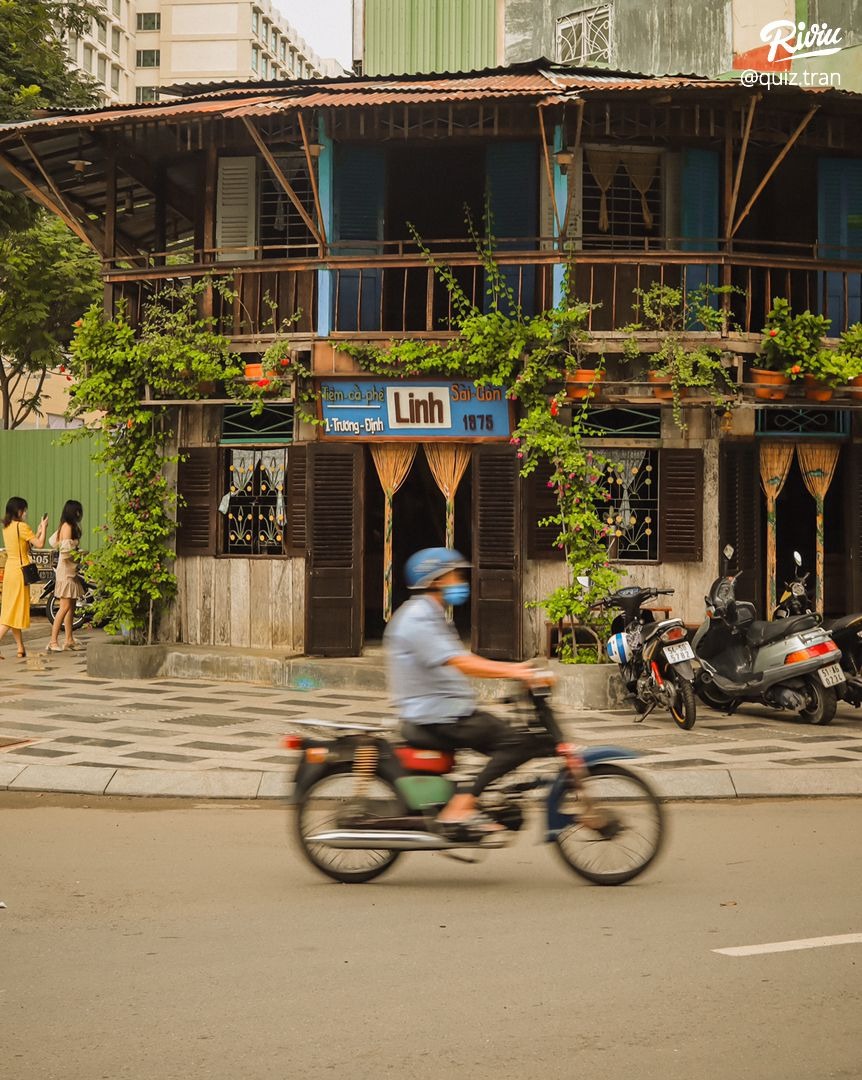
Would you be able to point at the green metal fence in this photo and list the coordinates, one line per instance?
(423, 36)
(39, 468)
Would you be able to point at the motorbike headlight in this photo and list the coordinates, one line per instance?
(797, 588)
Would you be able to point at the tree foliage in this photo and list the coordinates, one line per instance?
(47, 279)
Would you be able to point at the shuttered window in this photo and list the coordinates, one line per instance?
(295, 526)
(497, 605)
(740, 516)
(197, 487)
(540, 504)
(236, 209)
(853, 457)
(681, 506)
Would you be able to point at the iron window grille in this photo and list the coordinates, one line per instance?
(812, 423)
(584, 37)
(254, 504)
(632, 514)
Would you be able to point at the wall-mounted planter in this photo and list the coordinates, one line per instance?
(855, 390)
(254, 371)
(662, 388)
(774, 386)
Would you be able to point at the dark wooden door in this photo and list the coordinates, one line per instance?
(740, 519)
(497, 603)
(333, 567)
(853, 505)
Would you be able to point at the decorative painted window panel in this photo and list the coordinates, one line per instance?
(584, 37)
(632, 515)
(255, 501)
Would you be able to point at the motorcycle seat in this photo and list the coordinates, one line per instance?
(762, 633)
(420, 738)
(846, 622)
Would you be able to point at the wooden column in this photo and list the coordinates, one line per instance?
(110, 225)
(209, 215)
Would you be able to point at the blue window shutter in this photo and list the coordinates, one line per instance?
(698, 212)
(512, 178)
(839, 229)
(360, 193)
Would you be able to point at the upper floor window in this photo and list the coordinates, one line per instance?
(584, 37)
(265, 68)
(255, 58)
(102, 31)
(115, 78)
(149, 20)
(283, 49)
(146, 93)
(72, 47)
(102, 70)
(115, 40)
(88, 58)
(255, 22)
(148, 58)
(265, 34)
(116, 7)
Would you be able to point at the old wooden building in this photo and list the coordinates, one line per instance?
(309, 194)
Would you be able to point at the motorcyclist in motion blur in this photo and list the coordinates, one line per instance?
(429, 672)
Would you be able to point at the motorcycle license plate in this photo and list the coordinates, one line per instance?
(676, 654)
(832, 675)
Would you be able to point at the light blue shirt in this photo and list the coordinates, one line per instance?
(419, 643)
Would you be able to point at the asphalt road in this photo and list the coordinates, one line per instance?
(165, 940)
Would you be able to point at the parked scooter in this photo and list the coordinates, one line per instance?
(846, 632)
(655, 658)
(790, 663)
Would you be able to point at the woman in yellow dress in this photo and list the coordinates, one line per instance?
(18, 538)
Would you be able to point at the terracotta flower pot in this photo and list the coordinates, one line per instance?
(857, 385)
(661, 386)
(776, 383)
(817, 391)
(578, 383)
(254, 371)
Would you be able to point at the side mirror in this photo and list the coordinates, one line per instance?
(728, 552)
(797, 558)
(584, 581)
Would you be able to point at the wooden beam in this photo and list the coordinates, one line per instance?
(111, 205)
(737, 181)
(549, 176)
(310, 160)
(788, 146)
(58, 209)
(282, 179)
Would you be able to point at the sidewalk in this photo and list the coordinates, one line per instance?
(63, 731)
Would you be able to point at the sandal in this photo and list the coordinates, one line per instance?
(53, 648)
(75, 646)
(471, 830)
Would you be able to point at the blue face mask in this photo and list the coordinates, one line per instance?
(456, 594)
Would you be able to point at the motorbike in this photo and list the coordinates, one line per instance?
(363, 798)
(846, 631)
(83, 608)
(789, 663)
(655, 658)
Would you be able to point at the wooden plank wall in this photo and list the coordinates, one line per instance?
(246, 603)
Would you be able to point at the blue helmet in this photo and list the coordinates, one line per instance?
(424, 567)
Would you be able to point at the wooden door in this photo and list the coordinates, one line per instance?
(333, 567)
(853, 510)
(740, 521)
(497, 603)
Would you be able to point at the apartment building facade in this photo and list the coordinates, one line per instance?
(136, 49)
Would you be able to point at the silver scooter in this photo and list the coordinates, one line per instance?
(788, 664)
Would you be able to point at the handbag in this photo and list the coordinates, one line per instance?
(29, 571)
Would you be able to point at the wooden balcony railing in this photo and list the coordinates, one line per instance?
(400, 294)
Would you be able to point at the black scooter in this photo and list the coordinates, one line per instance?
(846, 631)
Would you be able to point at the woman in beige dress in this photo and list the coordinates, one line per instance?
(18, 538)
(67, 585)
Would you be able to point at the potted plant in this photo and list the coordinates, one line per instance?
(585, 381)
(790, 345)
(850, 348)
(827, 370)
(675, 368)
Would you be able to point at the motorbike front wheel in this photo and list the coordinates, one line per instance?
(325, 805)
(821, 702)
(626, 835)
(78, 616)
(684, 708)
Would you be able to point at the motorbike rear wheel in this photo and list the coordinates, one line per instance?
(822, 701)
(684, 709)
(322, 807)
(630, 838)
(78, 617)
(710, 695)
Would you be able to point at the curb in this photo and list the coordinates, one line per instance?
(677, 786)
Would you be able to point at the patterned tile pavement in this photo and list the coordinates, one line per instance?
(51, 712)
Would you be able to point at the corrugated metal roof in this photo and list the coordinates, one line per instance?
(552, 86)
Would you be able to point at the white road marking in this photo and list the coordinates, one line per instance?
(792, 946)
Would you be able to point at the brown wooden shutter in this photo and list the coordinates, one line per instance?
(497, 605)
(541, 502)
(681, 505)
(853, 452)
(295, 533)
(740, 521)
(333, 568)
(198, 489)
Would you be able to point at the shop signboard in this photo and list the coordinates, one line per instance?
(382, 410)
